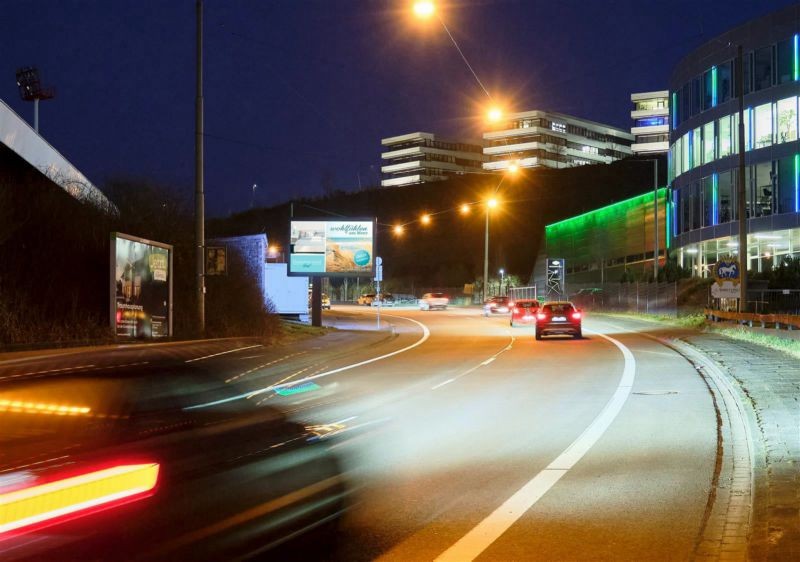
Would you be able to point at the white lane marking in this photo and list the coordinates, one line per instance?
(223, 353)
(471, 545)
(254, 369)
(426, 333)
(441, 384)
(478, 366)
(47, 371)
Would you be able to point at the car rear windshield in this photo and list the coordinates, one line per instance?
(558, 308)
(527, 304)
(437, 295)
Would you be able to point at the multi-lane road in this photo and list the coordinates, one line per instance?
(462, 438)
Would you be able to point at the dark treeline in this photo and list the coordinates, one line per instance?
(449, 251)
(55, 261)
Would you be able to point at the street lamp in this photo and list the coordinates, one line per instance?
(494, 114)
(425, 219)
(464, 209)
(424, 9)
(502, 278)
(398, 230)
(491, 203)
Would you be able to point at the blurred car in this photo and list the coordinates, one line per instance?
(432, 301)
(383, 299)
(559, 317)
(497, 305)
(326, 302)
(524, 312)
(155, 464)
(366, 299)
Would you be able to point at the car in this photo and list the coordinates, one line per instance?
(157, 462)
(366, 299)
(326, 301)
(383, 299)
(497, 305)
(432, 301)
(524, 312)
(559, 317)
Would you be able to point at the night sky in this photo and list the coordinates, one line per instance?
(299, 93)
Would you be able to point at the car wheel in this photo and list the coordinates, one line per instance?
(538, 335)
(578, 335)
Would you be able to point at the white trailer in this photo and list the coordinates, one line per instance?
(289, 295)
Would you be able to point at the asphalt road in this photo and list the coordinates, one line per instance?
(466, 439)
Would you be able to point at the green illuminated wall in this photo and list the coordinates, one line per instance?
(599, 244)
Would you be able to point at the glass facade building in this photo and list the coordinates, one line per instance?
(704, 145)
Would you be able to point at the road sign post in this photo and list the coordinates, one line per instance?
(378, 279)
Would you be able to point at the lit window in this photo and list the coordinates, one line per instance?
(763, 125)
(559, 127)
(685, 155)
(724, 130)
(697, 148)
(787, 120)
(708, 142)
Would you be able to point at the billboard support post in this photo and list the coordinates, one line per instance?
(316, 301)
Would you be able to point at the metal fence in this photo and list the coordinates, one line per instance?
(764, 301)
(652, 298)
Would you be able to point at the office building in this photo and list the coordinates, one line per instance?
(422, 157)
(650, 116)
(703, 155)
(553, 140)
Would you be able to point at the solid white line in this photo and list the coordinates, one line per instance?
(426, 333)
(223, 353)
(471, 545)
(441, 384)
(489, 360)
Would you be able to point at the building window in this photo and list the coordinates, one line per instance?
(696, 96)
(724, 82)
(724, 195)
(786, 61)
(724, 131)
(708, 200)
(786, 185)
(708, 90)
(708, 142)
(685, 102)
(787, 120)
(697, 147)
(763, 125)
(676, 157)
(685, 155)
(764, 189)
(763, 68)
(559, 127)
(747, 62)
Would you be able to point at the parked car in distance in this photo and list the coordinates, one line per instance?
(326, 302)
(366, 299)
(431, 301)
(558, 317)
(383, 299)
(497, 305)
(524, 312)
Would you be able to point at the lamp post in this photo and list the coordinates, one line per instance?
(199, 195)
(490, 204)
(502, 279)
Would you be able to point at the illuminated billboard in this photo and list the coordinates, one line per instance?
(141, 287)
(332, 247)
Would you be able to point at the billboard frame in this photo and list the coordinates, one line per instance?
(367, 273)
(112, 292)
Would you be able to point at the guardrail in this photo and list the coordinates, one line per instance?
(790, 321)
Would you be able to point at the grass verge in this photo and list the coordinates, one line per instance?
(294, 331)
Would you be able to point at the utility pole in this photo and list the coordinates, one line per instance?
(741, 201)
(199, 196)
(655, 220)
(486, 256)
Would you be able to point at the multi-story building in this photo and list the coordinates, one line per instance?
(650, 116)
(704, 147)
(421, 157)
(553, 140)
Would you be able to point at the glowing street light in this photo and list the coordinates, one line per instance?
(513, 168)
(425, 219)
(464, 209)
(424, 9)
(398, 230)
(491, 203)
(494, 114)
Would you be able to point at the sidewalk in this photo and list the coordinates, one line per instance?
(768, 381)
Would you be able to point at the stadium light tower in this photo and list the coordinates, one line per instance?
(30, 89)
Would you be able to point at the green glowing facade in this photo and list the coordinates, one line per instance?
(600, 245)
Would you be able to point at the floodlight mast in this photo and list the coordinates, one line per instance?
(30, 89)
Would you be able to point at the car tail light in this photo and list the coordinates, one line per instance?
(541, 316)
(510, 303)
(516, 310)
(42, 504)
(576, 315)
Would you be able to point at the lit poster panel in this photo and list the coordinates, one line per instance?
(332, 248)
(141, 293)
